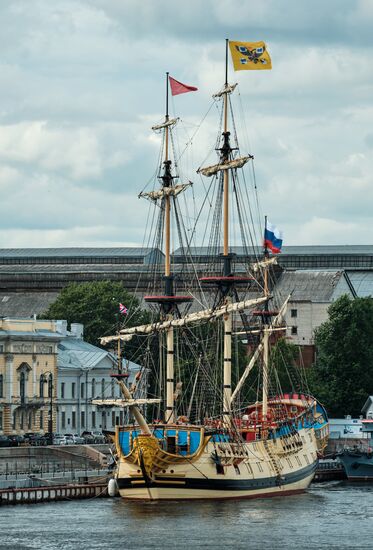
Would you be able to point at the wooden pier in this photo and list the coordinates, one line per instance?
(52, 493)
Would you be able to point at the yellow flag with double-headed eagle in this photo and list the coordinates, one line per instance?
(250, 56)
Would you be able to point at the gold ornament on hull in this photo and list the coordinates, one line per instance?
(145, 449)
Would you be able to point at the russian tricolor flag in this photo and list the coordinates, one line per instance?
(273, 238)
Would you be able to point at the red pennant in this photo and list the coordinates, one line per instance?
(180, 88)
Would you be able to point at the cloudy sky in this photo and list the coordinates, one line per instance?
(82, 82)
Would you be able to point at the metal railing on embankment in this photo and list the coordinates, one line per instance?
(16, 470)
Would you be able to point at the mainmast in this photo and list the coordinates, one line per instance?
(227, 281)
(227, 269)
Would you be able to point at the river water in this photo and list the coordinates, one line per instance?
(335, 515)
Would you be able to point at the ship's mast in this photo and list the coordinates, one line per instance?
(167, 182)
(225, 157)
(225, 153)
(265, 336)
(168, 301)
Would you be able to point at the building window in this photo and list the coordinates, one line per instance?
(93, 388)
(63, 420)
(103, 387)
(112, 387)
(294, 313)
(82, 419)
(1, 420)
(14, 420)
(50, 386)
(73, 390)
(1, 386)
(41, 420)
(41, 385)
(22, 387)
(93, 419)
(294, 330)
(82, 390)
(73, 420)
(62, 390)
(113, 418)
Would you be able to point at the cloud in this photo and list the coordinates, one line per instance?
(82, 82)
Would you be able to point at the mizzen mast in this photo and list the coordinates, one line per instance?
(266, 319)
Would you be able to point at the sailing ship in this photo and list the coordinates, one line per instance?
(216, 446)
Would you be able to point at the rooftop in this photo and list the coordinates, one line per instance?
(25, 304)
(310, 285)
(292, 250)
(75, 252)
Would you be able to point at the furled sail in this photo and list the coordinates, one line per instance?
(166, 191)
(206, 314)
(214, 169)
(228, 89)
(124, 402)
(170, 122)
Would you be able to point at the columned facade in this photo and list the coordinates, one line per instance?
(28, 376)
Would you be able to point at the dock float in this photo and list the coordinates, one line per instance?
(52, 493)
(329, 470)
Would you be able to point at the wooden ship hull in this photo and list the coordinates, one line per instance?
(182, 462)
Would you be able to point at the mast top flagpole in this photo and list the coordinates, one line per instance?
(167, 114)
(265, 241)
(226, 61)
(225, 151)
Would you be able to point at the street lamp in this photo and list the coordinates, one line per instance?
(50, 395)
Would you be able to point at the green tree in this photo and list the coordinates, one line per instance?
(342, 377)
(96, 306)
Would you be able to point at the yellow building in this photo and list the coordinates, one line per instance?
(28, 375)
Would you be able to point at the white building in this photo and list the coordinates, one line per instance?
(84, 374)
(368, 408)
(345, 428)
(312, 292)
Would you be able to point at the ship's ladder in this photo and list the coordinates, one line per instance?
(275, 462)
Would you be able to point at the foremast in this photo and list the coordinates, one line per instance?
(167, 183)
(168, 301)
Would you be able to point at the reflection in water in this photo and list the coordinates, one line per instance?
(330, 516)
